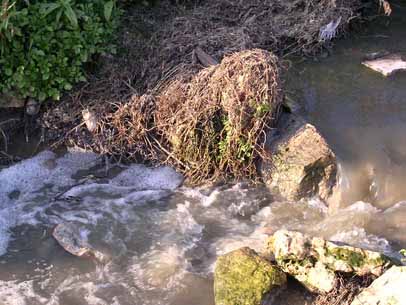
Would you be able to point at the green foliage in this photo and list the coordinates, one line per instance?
(403, 253)
(44, 44)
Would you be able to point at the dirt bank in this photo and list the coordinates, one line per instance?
(156, 44)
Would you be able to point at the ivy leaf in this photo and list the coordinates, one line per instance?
(42, 96)
(108, 10)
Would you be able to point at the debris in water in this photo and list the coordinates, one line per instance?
(73, 241)
(387, 65)
(387, 9)
(329, 31)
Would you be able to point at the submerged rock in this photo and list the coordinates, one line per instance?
(72, 240)
(386, 290)
(314, 261)
(387, 65)
(242, 277)
(303, 165)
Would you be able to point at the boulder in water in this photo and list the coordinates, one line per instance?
(242, 277)
(303, 165)
(386, 290)
(70, 238)
(314, 261)
(387, 65)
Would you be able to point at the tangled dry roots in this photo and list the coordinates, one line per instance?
(208, 125)
(214, 122)
(347, 288)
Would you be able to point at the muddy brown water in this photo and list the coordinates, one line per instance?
(163, 240)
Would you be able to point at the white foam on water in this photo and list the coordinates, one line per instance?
(158, 238)
(205, 200)
(398, 206)
(160, 269)
(361, 206)
(144, 178)
(358, 237)
(25, 180)
(19, 293)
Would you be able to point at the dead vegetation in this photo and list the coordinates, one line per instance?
(214, 124)
(209, 125)
(9, 124)
(222, 27)
(137, 94)
(347, 288)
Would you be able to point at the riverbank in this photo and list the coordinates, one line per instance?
(153, 41)
(156, 45)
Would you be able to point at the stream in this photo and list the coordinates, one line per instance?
(163, 238)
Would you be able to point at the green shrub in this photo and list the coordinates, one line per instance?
(44, 44)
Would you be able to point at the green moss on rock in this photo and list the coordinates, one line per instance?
(314, 261)
(242, 277)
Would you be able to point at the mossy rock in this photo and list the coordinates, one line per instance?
(242, 277)
(314, 261)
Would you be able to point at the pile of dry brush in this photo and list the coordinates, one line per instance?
(156, 103)
(209, 125)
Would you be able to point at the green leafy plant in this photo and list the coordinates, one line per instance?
(44, 44)
(403, 253)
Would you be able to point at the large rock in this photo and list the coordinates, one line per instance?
(71, 238)
(303, 165)
(242, 277)
(389, 289)
(314, 261)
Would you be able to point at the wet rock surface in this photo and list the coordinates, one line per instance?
(386, 290)
(303, 165)
(314, 261)
(387, 65)
(242, 277)
(69, 236)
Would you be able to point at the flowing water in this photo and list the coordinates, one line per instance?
(163, 239)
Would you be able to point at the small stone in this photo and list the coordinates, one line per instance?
(387, 65)
(32, 107)
(389, 289)
(90, 119)
(242, 277)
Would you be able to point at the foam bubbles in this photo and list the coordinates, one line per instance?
(162, 240)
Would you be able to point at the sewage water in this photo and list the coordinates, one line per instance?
(163, 239)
